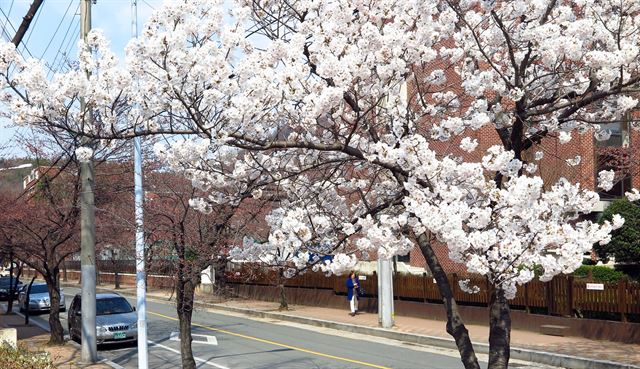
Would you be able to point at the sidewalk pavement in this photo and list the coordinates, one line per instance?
(572, 346)
(35, 338)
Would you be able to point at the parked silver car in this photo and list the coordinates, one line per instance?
(38, 298)
(116, 320)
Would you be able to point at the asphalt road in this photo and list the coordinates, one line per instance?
(234, 342)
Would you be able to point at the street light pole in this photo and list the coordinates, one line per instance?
(141, 288)
(89, 353)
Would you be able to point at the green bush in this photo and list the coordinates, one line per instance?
(21, 358)
(599, 273)
(625, 242)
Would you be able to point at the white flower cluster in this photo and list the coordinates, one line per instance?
(465, 285)
(469, 145)
(84, 154)
(606, 179)
(634, 195)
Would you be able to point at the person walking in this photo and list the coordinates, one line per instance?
(353, 290)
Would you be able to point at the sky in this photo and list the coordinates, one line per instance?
(54, 33)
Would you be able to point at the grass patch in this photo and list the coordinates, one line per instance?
(22, 358)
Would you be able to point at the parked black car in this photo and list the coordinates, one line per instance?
(4, 288)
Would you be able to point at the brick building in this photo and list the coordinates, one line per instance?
(558, 160)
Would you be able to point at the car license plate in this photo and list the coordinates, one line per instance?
(119, 335)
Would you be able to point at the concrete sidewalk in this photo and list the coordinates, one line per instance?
(559, 351)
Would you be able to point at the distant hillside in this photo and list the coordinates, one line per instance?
(11, 179)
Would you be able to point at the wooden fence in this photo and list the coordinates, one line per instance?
(125, 266)
(564, 295)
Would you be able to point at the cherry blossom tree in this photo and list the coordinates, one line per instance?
(198, 228)
(42, 232)
(350, 104)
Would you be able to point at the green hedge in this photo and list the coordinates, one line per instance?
(21, 358)
(599, 273)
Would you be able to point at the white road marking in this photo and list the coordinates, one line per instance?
(195, 358)
(209, 340)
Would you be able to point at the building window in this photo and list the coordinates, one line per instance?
(619, 134)
(615, 154)
(404, 258)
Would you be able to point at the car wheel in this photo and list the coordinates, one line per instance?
(63, 309)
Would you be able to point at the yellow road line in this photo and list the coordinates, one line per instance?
(275, 343)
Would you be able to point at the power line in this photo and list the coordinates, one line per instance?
(4, 24)
(14, 31)
(149, 5)
(64, 56)
(57, 29)
(65, 43)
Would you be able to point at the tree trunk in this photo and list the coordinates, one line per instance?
(499, 330)
(220, 268)
(455, 325)
(185, 289)
(53, 284)
(13, 287)
(283, 295)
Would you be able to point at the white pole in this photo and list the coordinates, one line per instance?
(380, 294)
(141, 288)
(89, 353)
(385, 294)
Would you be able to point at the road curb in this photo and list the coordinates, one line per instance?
(535, 356)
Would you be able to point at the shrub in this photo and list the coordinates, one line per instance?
(625, 242)
(21, 358)
(599, 273)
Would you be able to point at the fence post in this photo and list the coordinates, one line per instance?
(64, 270)
(424, 287)
(622, 299)
(526, 298)
(570, 303)
(375, 277)
(549, 297)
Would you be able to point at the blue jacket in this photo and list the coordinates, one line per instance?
(350, 289)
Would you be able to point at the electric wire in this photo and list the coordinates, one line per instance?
(65, 55)
(4, 24)
(149, 5)
(14, 31)
(64, 43)
(33, 26)
(57, 29)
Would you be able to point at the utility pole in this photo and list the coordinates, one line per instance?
(26, 22)
(87, 225)
(141, 286)
(385, 293)
(386, 311)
